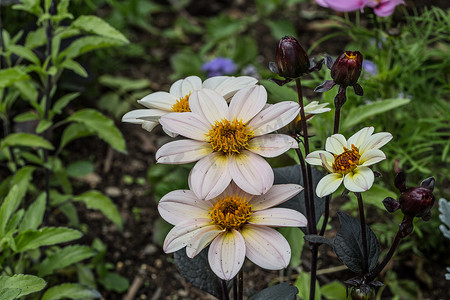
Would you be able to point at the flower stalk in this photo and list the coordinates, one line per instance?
(362, 220)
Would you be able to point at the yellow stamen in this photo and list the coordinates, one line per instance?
(351, 55)
(346, 162)
(230, 212)
(229, 137)
(182, 104)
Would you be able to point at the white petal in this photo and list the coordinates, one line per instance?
(182, 233)
(251, 172)
(376, 141)
(277, 194)
(227, 86)
(210, 105)
(278, 217)
(327, 161)
(274, 117)
(176, 206)
(226, 254)
(182, 151)
(247, 102)
(183, 87)
(186, 124)
(314, 159)
(138, 115)
(233, 190)
(202, 239)
(336, 143)
(134, 115)
(210, 176)
(159, 100)
(360, 137)
(360, 180)
(315, 108)
(371, 157)
(329, 184)
(266, 247)
(272, 145)
(149, 125)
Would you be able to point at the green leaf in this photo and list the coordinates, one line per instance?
(280, 28)
(35, 38)
(63, 101)
(75, 67)
(10, 76)
(25, 53)
(9, 206)
(26, 140)
(124, 83)
(26, 116)
(303, 284)
(360, 113)
(80, 168)
(374, 196)
(73, 132)
(280, 291)
(31, 6)
(102, 126)
(114, 282)
(71, 291)
(279, 93)
(186, 63)
(26, 283)
(334, 291)
(86, 44)
(27, 90)
(96, 25)
(32, 239)
(43, 125)
(9, 293)
(96, 200)
(294, 236)
(35, 214)
(22, 179)
(64, 257)
(15, 220)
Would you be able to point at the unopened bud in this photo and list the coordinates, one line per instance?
(416, 201)
(291, 60)
(347, 68)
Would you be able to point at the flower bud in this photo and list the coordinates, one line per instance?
(347, 68)
(291, 60)
(363, 294)
(416, 201)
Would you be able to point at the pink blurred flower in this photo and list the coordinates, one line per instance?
(382, 8)
(236, 224)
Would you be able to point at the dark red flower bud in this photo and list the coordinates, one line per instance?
(291, 60)
(416, 201)
(347, 68)
(363, 294)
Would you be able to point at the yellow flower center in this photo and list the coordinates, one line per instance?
(346, 162)
(230, 212)
(351, 55)
(182, 104)
(229, 137)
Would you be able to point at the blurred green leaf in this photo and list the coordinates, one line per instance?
(294, 236)
(34, 214)
(32, 239)
(98, 26)
(114, 282)
(11, 75)
(73, 132)
(303, 283)
(75, 67)
(334, 291)
(26, 140)
(63, 102)
(71, 291)
(9, 206)
(86, 44)
(24, 53)
(64, 257)
(26, 283)
(281, 28)
(80, 168)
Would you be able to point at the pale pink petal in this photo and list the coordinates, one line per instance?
(181, 88)
(209, 105)
(202, 239)
(182, 151)
(360, 180)
(314, 159)
(266, 247)
(329, 184)
(376, 141)
(226, 254)
(159, 100)
(343, 5)
(182, 234)
(247, 102)
(210, 176)
(277, 194)
(274, 117)
(278, 217)
(322, 3)
(233, 190)
(176, 206)
(251, 172)
(371, 157)
(360, 137)
(227, 86)
(272, 145)
(186, 124)
(336, 143)
(386, 7)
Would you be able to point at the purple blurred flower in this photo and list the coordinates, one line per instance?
(370, 67)
(219, 66)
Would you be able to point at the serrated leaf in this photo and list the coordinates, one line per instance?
(15, 220)
(26, 283)
(10, 76)
(96, 200)
(294, 236)
(86, 44)
(197, 271)
(22, 179)
(293, 174)
(9, 293)
(64, 257)
(114, 282)
(101, 125)
(98, 26)
(73, 132)
(8, 207)
(25, 140)
(71, 291)
(276, 292)
(361, 113)
(35, 214)
(32, 239)
(348, 244)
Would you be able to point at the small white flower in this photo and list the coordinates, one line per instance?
(235, 225)
(177, 99)
(349, 161)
